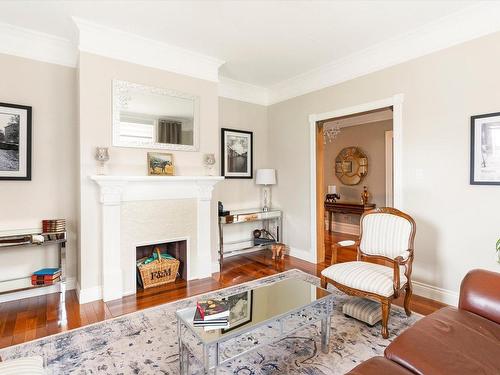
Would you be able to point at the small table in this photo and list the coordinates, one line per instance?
(272, 311)
(353, 208)
(246, 216)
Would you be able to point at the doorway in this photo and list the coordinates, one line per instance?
(345, 118)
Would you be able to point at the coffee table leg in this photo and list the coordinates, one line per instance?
(325, 334)
(206, 358)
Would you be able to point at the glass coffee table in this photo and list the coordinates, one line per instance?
(259, 316)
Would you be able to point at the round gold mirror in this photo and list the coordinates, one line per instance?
(351, 165)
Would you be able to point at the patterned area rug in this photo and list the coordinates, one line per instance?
(145, 342)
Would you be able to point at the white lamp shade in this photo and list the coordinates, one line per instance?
(266, 177)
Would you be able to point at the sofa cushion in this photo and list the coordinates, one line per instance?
(449, 341)
(368, 277)
(378, 366)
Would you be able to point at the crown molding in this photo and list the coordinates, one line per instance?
(35, 45)
(470, 23)
(245, 92)
(121, 45)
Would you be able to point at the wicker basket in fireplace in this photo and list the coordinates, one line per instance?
(159, 272)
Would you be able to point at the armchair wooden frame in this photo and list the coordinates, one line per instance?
(397, 262)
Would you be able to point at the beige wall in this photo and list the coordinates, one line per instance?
(457, 224)
(51, 91)
(95, 99)
(234, 114)
(370, 138)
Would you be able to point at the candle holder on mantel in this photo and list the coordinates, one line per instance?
(209, 162)
(102, 156)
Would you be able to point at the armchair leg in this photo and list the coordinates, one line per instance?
(408, 294)
(386, 309)
(324, 284)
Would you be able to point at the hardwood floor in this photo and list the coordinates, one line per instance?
(36, 317)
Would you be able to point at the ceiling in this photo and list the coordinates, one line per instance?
(262, 42)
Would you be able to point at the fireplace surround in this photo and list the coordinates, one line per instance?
(152, 209)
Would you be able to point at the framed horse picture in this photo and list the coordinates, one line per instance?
(160, 164)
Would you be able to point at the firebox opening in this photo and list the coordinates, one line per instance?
(176, 249)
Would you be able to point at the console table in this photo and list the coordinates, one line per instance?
(245, 216)
(352, 208)
(37, 238)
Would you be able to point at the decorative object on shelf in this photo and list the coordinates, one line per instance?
(53, 225)
(209, 162)
(263, 237)
(485, 143)
(160, 164)
(221, 209)
(102, 156)
(365, 195)
(161, 269)
(332, 195)
(278, 250)
(46, 276)
(15, 142)
(236, 153)
(153, 117)
(266, 177)
(240, 309)
(351, 165)
(331, 130)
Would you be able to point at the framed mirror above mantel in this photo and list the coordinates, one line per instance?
(154, 118)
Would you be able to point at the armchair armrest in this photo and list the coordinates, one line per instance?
(480, 294)
(336, 246)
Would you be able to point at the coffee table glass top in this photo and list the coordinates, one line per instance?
(255, 307)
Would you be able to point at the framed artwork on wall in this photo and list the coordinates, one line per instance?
(15, 142)
(485, 149)
(236, 153)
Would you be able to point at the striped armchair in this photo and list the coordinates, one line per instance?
(386, 234)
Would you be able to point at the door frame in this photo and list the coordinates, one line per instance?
(396, 102)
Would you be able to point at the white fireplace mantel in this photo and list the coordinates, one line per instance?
(117, 189)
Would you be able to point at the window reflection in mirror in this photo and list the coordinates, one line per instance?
(155, 118)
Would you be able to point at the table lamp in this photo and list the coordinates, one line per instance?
(266, 177)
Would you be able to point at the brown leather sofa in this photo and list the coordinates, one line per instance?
(450, 341)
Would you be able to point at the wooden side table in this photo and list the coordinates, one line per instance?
(352, 208)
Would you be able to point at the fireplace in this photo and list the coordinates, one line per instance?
(177, 249)
(146, 210)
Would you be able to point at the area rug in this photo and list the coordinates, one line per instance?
(145, 342)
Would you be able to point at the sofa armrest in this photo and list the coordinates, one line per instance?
(480, 294)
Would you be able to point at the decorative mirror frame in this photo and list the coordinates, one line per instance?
(351, 177)
(120, 86)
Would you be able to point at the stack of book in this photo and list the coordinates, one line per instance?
(211, 314)
(53, 226)
(46, 276)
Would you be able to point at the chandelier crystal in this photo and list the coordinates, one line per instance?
(330, 131)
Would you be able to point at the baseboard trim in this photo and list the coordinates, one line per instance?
(435, 293)
(343, 227)
(301, 254)
(14, 296)
(89, 294)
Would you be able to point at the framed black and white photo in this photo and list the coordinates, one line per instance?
(236, 153)
(15, 142)
(485, 149)
(240, 309)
